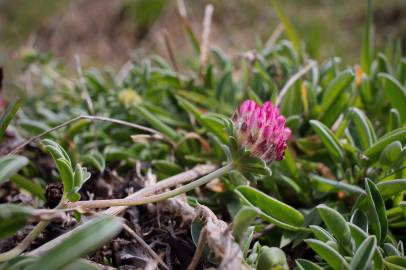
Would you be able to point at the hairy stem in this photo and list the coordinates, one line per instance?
(154, 198)
(172, 181)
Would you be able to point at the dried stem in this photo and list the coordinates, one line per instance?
(292, 80)
(154, 198)
(89, 117)
(171, 54)
(169, 182)
(145, 245)
(208, 14)
(275, 35)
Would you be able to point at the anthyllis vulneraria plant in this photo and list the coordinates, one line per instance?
(257, 137)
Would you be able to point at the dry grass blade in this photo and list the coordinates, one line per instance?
(208, 14)
(169, 48)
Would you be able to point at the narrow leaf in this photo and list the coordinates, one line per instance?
(329, 140)
(9, 165)
(8, 115)
(87, 238)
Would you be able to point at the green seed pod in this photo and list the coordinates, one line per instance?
(272, 259)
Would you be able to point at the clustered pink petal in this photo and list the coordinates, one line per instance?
(262, 130)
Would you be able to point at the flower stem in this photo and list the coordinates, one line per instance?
(154, 198)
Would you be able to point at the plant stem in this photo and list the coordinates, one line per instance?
(89, 117)
(23, 245)
(154, 198)
(174, 180)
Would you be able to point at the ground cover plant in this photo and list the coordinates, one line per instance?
(268, 161)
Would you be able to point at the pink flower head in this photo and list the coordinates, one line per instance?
(262, 130)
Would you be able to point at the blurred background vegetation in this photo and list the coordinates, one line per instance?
(109, 32)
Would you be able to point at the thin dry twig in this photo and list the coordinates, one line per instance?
(82, 83)
(217, 234)
(89, 117)
(275, 35)
(183, 177)
(171, 54)
(145, 245)
(292, 80)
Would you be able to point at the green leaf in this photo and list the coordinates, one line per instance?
(214, 124)
(335, 88)
(395, 93)
(189, 107)
(329, 140)
(359, 219)
(327, 185)
(28, 185)
(95, 159)
(66, 174)
(358, 235)
(166, 167)
(82, 241)
(78, 126)
(364, 254)
(367, 41)
(336, 224)
(330, 255)
(303, 264)
(82, 265)
(156, 123)
(35, 127)
(9, 165)
(397, 135)
(80, 176)
(394, 120)
(270, 208)
(56, 150)
(377, 211)
(291, 32)
(321, 234)
(8, 115)
(364, 129)
(391, 187)
(391, 153)
(241, 222)
(272, 258)
(395, 262)
(12, 218)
